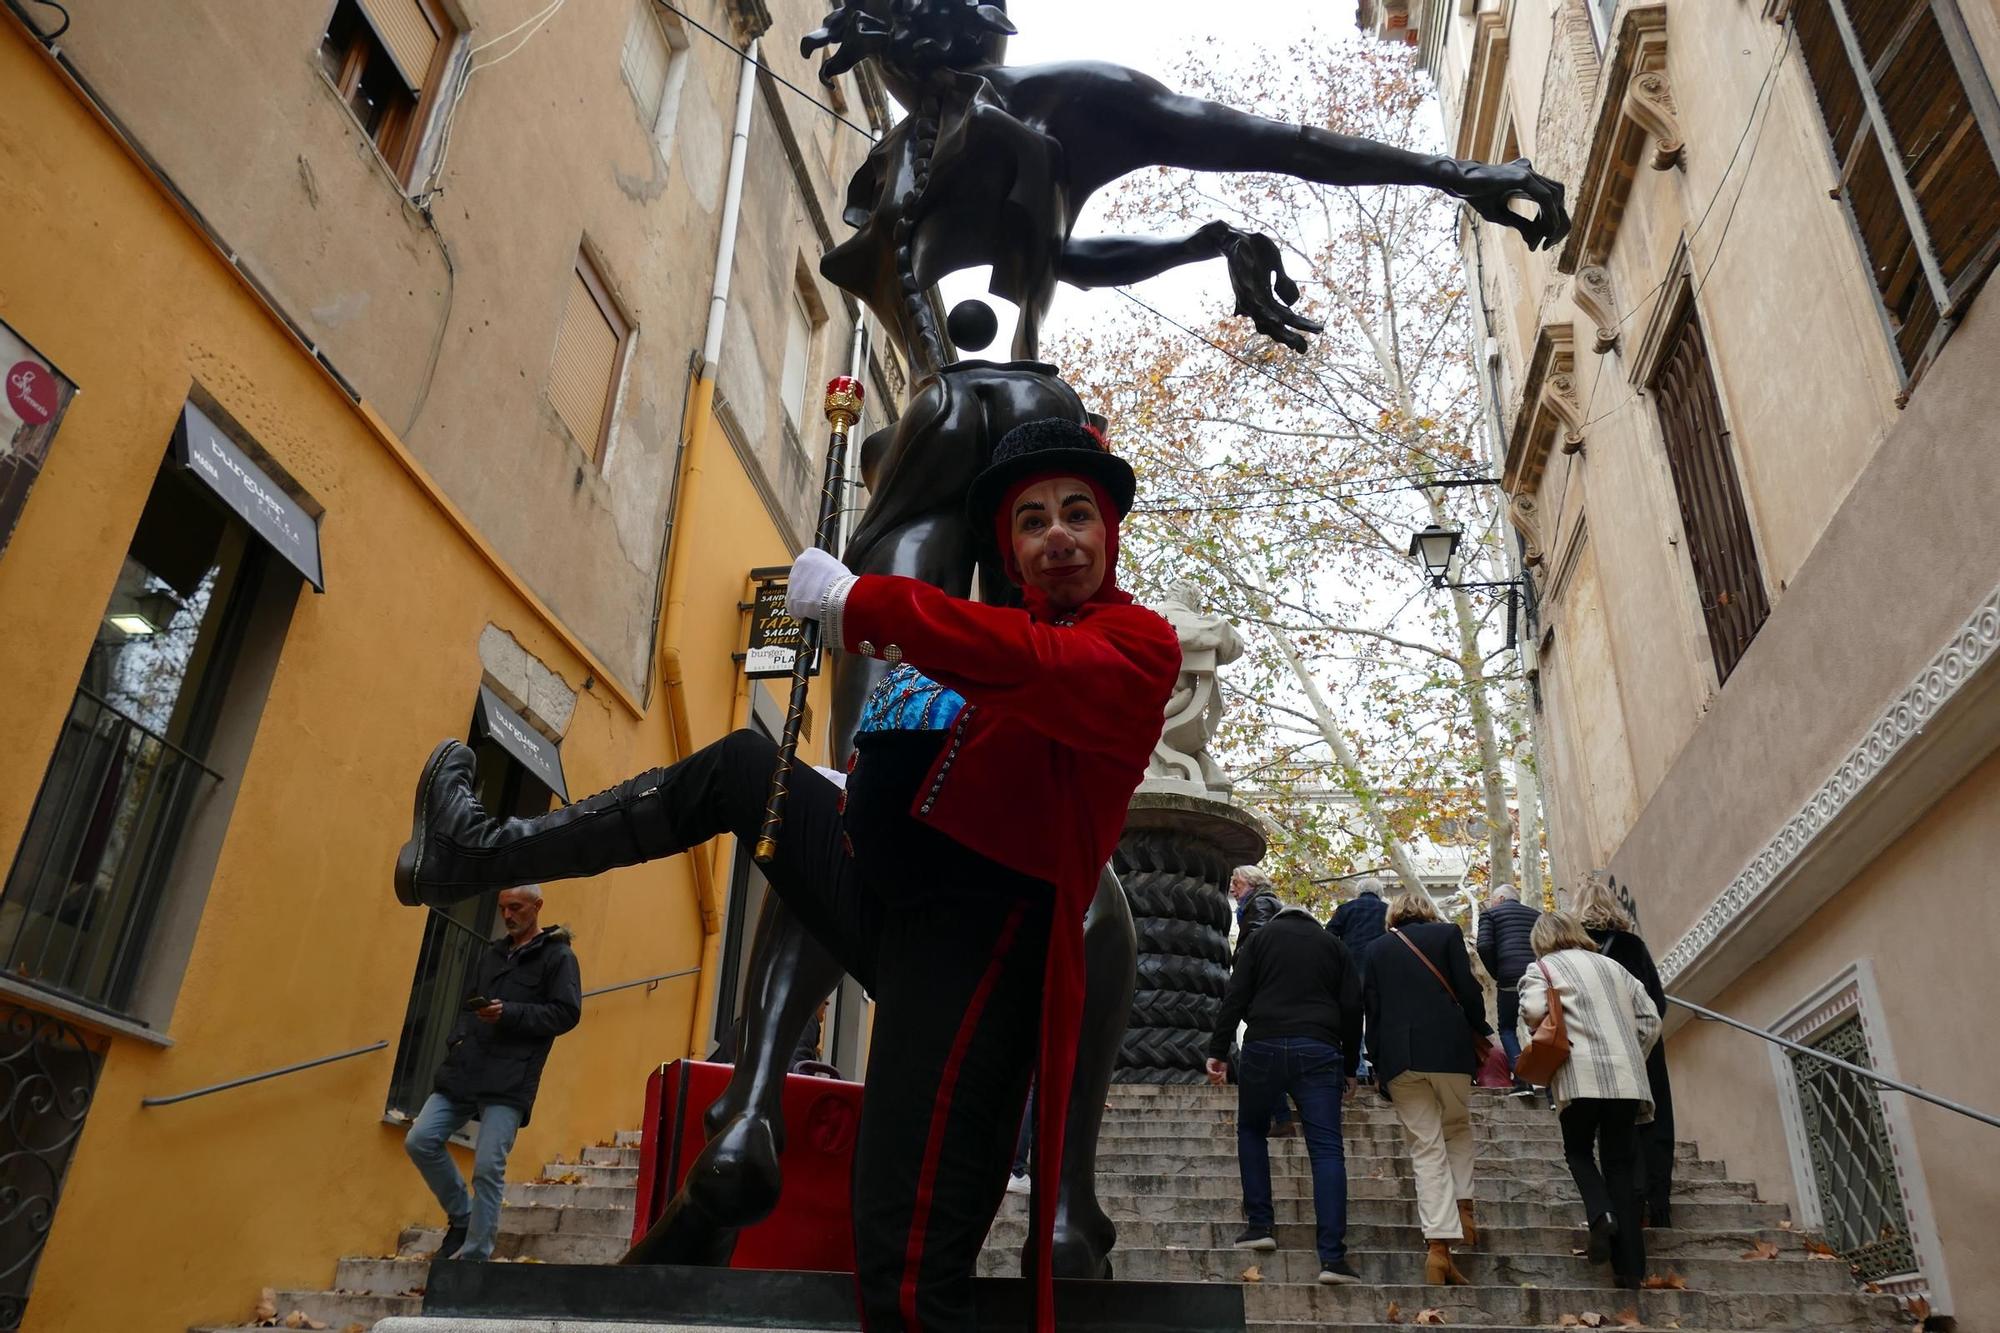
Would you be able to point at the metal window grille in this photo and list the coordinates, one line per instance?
(1727, 573)
(48, 1075)
(1914, 130)
(1853, 1166)
(86, 884)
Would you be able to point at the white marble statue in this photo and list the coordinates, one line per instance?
(1208, 641)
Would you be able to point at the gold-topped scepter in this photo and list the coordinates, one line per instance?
(843, 409)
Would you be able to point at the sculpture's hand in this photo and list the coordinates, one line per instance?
(1487, 186)
(1264, 291)
(854, 33)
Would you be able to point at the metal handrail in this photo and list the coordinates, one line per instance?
(259, 1078)
(1882, 1080)
(144, 730)
(642, 981)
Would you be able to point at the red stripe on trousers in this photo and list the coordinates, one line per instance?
(913, 1256)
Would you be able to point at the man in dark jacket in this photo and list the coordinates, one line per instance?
(1358, 923)
(1256, 901)
(1504, 931)
(526, 992)
(1298, 989)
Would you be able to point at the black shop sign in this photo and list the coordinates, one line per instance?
(775, 637)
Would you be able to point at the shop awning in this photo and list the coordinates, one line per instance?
(536, 752)
(248, 489)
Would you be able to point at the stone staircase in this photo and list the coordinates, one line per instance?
(1167, 1174)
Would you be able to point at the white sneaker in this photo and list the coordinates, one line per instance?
(1019, 1185)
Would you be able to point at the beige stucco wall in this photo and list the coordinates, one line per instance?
(1902, 915)
(548, 152)
(1873, 527)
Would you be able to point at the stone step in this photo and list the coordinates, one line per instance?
(589, 1174)
(527, 1194)
(1405, 1267)
(381, 1277)
(1388, 1132)
(1700, 1216)
(338, 1309)
(1500, 1189)
(1010, 1232)
(1290, 1160)
(1406, 1318)
(1545, 1306)
(550, 1247)
(541, 1222)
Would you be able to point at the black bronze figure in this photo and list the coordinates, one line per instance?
(993, 167)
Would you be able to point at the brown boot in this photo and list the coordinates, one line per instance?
(1439, 1270)
(1467, 1225)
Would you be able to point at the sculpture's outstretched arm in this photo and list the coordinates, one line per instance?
(1264, 291)
(1135, 121)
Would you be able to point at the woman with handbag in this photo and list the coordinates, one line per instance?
(1598, 1020)
(1611, 927)
(1427, 1035)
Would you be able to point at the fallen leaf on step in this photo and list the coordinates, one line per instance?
(566, 1178)
(1628, 1318)
(1590, 1319)
(1785, 1225)
(356, 1327)
(266, 1313)
(1872, 1288)
(1763, 1249)
(1569, 1321)
(1394, 1314)
(1253, 1274)
(1819, 1249)
(412, 1291)
(300, 1319)
(1667, 1282)
(1430, 1317)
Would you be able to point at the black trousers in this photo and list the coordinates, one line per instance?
(1601, 1145)
(955, 962)
(1656, 1142)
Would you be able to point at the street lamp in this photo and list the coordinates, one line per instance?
(1435, 546)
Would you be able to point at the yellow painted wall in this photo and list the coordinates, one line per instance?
(178, 1215)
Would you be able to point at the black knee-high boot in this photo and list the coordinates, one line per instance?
(457, 850)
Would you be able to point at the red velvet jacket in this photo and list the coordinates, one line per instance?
(1062, 715)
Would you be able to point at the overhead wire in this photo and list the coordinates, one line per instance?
(695, 23)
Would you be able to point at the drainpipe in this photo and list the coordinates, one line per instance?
(702, 426)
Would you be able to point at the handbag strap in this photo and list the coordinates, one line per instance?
(1425, 959)
(1554, 996)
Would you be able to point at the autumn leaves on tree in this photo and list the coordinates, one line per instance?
(1373, 715)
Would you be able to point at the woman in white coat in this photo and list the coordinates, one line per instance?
(1601, 1091)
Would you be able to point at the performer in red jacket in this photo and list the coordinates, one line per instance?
(989, 786)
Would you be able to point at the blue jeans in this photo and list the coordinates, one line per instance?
(425, 1143)
(1310, 1071)
(1510, 1028)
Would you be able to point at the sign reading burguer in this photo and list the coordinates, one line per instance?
(774, 636)
(537, 753)
(33, 398)
(249, 490)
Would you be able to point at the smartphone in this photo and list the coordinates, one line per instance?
(474, 1003)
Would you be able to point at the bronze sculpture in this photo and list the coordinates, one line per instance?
(993, 166)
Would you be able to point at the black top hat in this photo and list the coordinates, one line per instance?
(1050, 447)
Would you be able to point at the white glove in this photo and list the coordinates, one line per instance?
(813, 574)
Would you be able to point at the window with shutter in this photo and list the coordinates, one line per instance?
(1915, 133)
(646, 57)
(590, 349)
(798, 358)
(1727, 574)
(386, 59)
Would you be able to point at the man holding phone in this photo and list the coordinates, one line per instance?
(526, 992)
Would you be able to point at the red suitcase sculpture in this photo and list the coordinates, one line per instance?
(813, 1225)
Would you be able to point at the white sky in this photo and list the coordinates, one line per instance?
(1148, 35)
